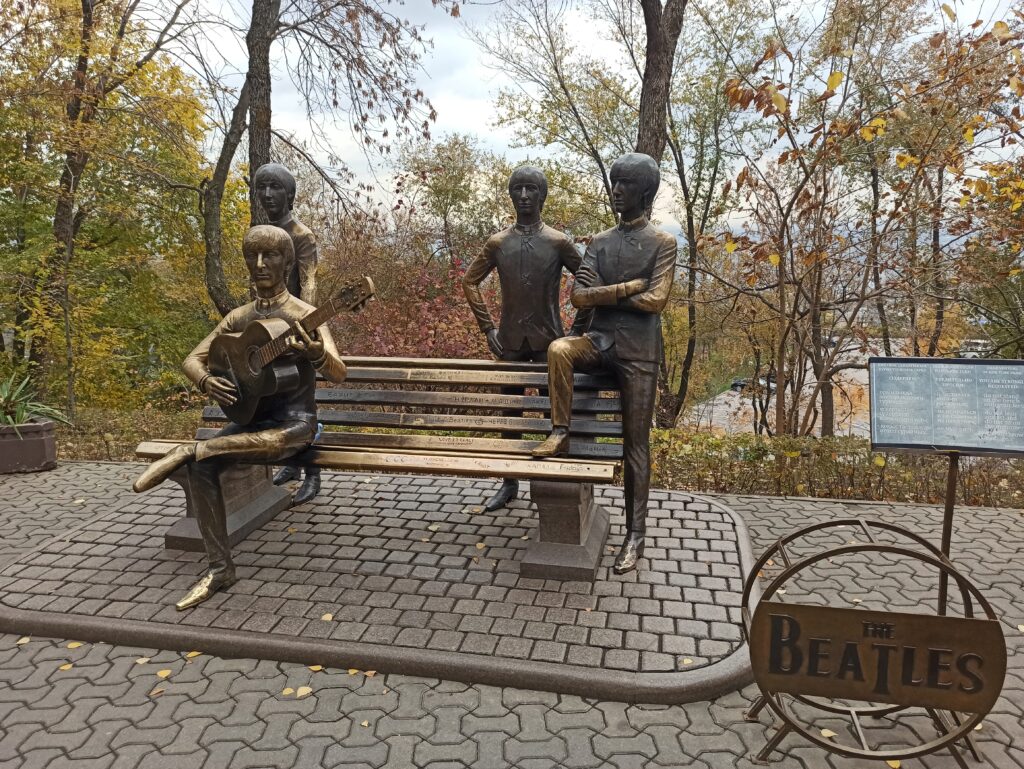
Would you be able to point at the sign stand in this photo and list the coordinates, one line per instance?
(947, 524)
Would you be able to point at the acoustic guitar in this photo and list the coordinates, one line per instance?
(249, 359)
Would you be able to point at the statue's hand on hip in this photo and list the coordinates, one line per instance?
(493, 343)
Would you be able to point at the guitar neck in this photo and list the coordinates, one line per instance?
(277, 346)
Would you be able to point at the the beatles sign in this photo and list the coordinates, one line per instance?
(950, 663)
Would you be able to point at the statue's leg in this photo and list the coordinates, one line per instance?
(565, 355)
(638, 384)
(509, 488)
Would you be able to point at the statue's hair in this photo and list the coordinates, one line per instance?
(641, 167)
(533, 174)
(282, 174)
(266, 236)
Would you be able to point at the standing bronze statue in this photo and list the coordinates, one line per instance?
(529, 257)
(275, 190)
(626, 278)
(283, 425)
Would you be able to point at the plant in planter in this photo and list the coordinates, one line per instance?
(28, 441)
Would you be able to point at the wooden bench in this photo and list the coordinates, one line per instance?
(398, 415)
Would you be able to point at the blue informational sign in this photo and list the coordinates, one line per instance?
(964, 405)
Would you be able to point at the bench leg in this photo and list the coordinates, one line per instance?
(250, 500)
(571, 535)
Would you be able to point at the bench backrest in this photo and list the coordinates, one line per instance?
(434, 397)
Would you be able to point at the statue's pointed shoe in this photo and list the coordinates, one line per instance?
(556, 445)
(309, 489)
(509, 490)
(204, 589)
(159, 469)
(285, 474)
(630, 553)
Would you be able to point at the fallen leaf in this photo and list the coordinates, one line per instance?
(365, 723)
(894, 763)
(478, 509)
(978, 727)
(79, 501)
(288, 692)
(327, 617)
(74, 644)
(687, 661)
(142, 660)
(316, 668)
(66, 666)
(480, 545)
(1019, 627)
(304, 691)
(476, 559)
(588, 609)
(434, 527)
(156, 692)
(23, 640)
(526, 536)
(828, 734)
(425, 539)
(192, 655)
(353, 671)
(292, 530)
(371, 673)
(856, 600)
(163, 673)
(386, 691)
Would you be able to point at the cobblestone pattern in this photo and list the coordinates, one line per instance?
(107, 711)
(413, 562)
(38, 506)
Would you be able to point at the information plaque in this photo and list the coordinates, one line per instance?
(968, 406)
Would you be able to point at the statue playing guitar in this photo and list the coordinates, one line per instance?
(259, 364)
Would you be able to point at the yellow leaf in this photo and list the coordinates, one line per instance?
(774, 259)
(163, 673)
(857, 600)
(1001, 30)
(304, 691)
(288, 692)
(142, 660)
(801, 488)
(879, 461)
(792, 454)
(903, 160)
(327, 617)
(371, 673)
(969, 134)
(730, 246)
(74, 644)
(353, 671)
(66, 666)
(1016, 86)
(827, 733)
(835, 80)
(866, 133)
(978, 727)
(525, 537)
(895, 762)
(292, 530)
(434, 527)
(480, 545)
(192, 655)
(687, 661)
(23, 640)
(156, 692)
(1020, 628)
(1018, 57)
(779, 101)
(316, 668)
(365, 723)
(1013, 272)
(951, 14)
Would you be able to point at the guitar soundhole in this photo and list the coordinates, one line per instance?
(252, 358)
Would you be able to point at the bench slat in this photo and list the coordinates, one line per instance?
(440, 464)
(449, 444)
(468, 422)
(445, 376)
(461, 400)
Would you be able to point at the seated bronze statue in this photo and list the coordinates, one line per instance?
(282, 424)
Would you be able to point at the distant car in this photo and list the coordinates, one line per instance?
(974, 348)
(739, 385)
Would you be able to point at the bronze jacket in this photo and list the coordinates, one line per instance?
(298, 405)
(630, 324)
(302, 279)
(529, 263)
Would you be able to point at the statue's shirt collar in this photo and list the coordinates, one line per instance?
(267, 306)
(633, 225)
(527, 229)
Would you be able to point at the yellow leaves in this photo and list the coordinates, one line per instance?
(1016, 86)
(22, 641)
(1001, 31)
(801, 488)
(303, 691)
(74, 644)
(828, 734)
(903, 160)
(969, 134)
(66, 666)
(316, 668)
(353, 671)
(774, 260)
(730, 246)
(287, 692)
(834, 80)
(364, 723)
(791, 454)
(1020, 628)
(874, 129)
(327, 617)
(893, 762)
(156, 692)
(192, 655)
(949, 11)
(480, 545)
(163, 674)
(686, 661)
(1015, 271)
(142, 660)
(879, 461)
(779, 101)
(371, 673)
(434, 527)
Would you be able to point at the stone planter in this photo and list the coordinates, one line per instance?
(34, 450)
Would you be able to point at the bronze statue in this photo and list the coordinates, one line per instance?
(275, 190)
(626, 278)
(283, 425)
(529, 257)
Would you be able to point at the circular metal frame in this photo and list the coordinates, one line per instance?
(933, 557)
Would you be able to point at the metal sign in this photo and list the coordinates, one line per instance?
(949, 663)
(968, 406)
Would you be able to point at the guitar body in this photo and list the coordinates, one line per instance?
(235, 357)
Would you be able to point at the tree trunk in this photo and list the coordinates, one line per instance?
(876, 277)
(663, 26)
(939, 281)
(263, 27)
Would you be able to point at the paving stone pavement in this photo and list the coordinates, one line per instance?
(109, 709)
